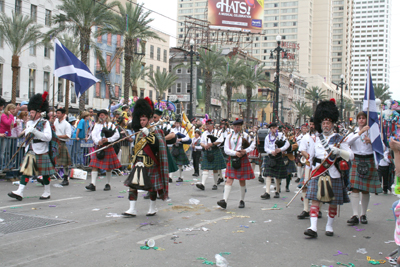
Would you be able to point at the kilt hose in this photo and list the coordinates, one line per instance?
(109, 162)
(338, 188)
(218, 163)
(171, 162)
(244, 173)
(369, 182)
(181, 159)
(45, 167)
(279, 171)
(63, 158)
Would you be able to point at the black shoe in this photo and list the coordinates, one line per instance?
(385, 192)
(363, 219)
(222, 203)
(353, 221)
(328, 233)
(311, 233)
(241, 204)
(304, 214)
(215, 187)
(151, 214)
(65, 182)
(17, 197)
(147, 196)
(265, 196)
(170, 180)
(179, 180)
(195, 174)
(40, 180)
(287, 190)
(91, 187)
(261, 180)
(297, 180)
(42, 198)
(220, 180)
(107, 187)
(319, 215)
(200, 186)
(276, 195)
(128, 215)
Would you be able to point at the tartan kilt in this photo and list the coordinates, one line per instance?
(338, 188)
(218, 163)
(244, 173)
(155, 177)
(45, 167)
(63, 158)
(291, 167)
(226, 157)
(369, 182)
(181, 159)
(279, 171)
(171, 162)
(109, 162)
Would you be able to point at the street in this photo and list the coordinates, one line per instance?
(85, 229)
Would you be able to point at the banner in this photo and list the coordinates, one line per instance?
(236, 15)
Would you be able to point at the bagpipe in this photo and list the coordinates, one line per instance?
(181, 136)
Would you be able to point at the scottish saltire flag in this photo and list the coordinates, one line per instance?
(69, 67)
(370, 107)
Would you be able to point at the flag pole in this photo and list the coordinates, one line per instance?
(368, 81)
(54, 78)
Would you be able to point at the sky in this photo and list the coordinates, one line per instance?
(168, 26)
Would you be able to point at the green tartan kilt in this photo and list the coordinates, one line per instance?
(171, 162)
(45, 167)
(219, 162)
(369, 182)
(279, 171)
(63, 158)
(181, 159)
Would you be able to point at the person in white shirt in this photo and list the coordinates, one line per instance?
(40, 130)
(196, 154)
(104, 133)
(364, 174)
(239, 167)
(212, 155)
(274, 167)
(63, 132)
(224, 131)
(300, 167)
(384, 170)
(178, 152)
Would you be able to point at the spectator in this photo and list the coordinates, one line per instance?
(70, 142)
(81, 134)
(6, 125)
(21, 121)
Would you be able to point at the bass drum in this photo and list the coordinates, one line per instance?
(262, 133)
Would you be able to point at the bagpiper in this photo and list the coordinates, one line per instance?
(63, 132)
(178, 152)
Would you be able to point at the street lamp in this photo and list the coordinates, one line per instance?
(191, 53)
(341, 97)
(278, 51)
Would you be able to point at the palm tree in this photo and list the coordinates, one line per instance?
(382, 92)
(315, 94)
(79, 17)
(231, 75)
(210, 62)
(18, 31)
(253, 77)
(303, 109)
(161, 81)
(137, 70)
(348, 106)
(137, 28)
(254, 105)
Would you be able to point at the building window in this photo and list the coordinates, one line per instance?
(98, 67)
(33, 12)
(188, 88)
(47, 18)
(46, 81)
(1, 79)
(117, 90)
(169, 89)
(158, 69)
(152, 51)
(178, 87)
(46, 52)
(109, 38)
(164, 70)
(32, 48)
(151, 71)
(165, 55)
(98, 37)
(178, 71)
(141, 92)
(98, 89)
(178, 108)
(73, 94)
(18, 6)
(86, 97)
(151, 94)
(108, 62)
(1, 5)
(60, 91)
(118, 65)
(118, 40)
(158, 53)
(107, 91)
(32, 76)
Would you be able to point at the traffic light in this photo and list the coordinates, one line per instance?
(351, 120)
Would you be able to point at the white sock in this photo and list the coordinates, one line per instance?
(355, 199)
(268, 184)
(329, 224)
(364, 203)
(278, 184)
(215, 178)
(242, 192)
(253, 166)
(170, 175)
(108, 176)
(204, 177)
(219, 174)
(305, 201)
(94, 177)
(227, 191)
(223, 173)
(20, 190)
(180, 171)
(313, 221)
(46, 192)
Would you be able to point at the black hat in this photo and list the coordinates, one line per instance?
(39, 103)
(325, 111)
(124, 107)
(62, 110)
(272, 124)
(142, 108)
(224, 120)
(238, 122)
(178, 118)
(209, 121)
(312, 119)
(158, 112)
(104, 111)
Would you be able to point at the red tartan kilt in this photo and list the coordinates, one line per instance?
(253, 154)
(244, 173)
(109, 162)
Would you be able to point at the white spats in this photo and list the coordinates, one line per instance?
(153, 208)
(46, 192)
(20, 190)
(227, 191)
(204, 177)
(313, 221)
(108, 177)
(94, 175)
(355, 199)
(268, 184)
(242, 192)
(132, 207)
(328, 227)
(364, 203)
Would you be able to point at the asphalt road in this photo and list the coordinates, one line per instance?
(184, 232)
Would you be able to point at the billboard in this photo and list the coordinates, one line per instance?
(236, 15)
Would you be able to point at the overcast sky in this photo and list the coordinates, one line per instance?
(169, 9)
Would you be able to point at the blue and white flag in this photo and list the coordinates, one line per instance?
(68, 66)
(370, 107)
